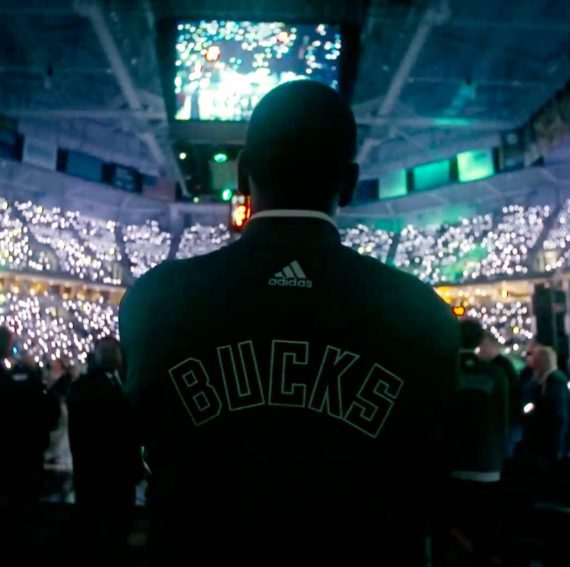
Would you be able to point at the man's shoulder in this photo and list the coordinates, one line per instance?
(401, 300)
(409, 292)
(159, 281)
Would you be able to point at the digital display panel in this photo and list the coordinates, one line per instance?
(430, 175)
(393, 184)
(475, 165)
(223, 67)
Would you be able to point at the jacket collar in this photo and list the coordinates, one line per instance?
(297, 225)
(293, 213)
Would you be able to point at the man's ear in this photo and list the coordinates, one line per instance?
(349, 185)
(243, 174)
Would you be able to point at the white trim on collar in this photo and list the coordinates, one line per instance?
(293, 213)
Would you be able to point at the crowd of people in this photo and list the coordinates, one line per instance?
(499, 243)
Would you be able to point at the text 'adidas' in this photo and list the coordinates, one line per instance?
(291, 275)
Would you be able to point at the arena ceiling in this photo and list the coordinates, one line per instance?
(435, 77)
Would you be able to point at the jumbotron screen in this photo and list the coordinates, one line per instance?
(223, 68)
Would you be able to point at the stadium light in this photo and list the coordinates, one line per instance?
(240, 211)
(458, 310)
(220, 157)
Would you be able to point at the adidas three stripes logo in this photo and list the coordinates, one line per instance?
(291, 275)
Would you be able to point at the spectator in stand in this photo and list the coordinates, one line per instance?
(106, 458)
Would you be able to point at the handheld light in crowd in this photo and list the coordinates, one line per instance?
(213, 54)
(240, 211)
(528, 408)
(458, 310)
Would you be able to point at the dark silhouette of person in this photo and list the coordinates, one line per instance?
(490, 351)
(479, 437)
(106, 457)
(27, 415)
(545, 426)
(290, 391)
(59, 378)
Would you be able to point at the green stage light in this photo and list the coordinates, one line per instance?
(220, 157)
(227, 194)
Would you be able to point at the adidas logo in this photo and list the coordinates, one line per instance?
(291, 276)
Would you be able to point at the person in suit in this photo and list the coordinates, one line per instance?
(545, 425)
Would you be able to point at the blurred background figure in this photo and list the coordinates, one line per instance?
(478, 433)
(490, 351)
(27, 414)
(545, 424)
(528, 373)
(106, 457)
(58, 462)
(58, 377)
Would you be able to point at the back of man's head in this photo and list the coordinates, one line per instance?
(471, 333)
(489, 347)
(544, 361)
(301, 144)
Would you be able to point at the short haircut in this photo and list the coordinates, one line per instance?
(302, 134)
(471, 333)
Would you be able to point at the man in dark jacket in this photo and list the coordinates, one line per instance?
(479, 426)
(490, 351)
(290, 391)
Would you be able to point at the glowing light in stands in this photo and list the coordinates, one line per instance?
(484, 246)
(198, 240)
(240, 211)
(146, 246)
(367, 241)
(509, 322)
(458, 310)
